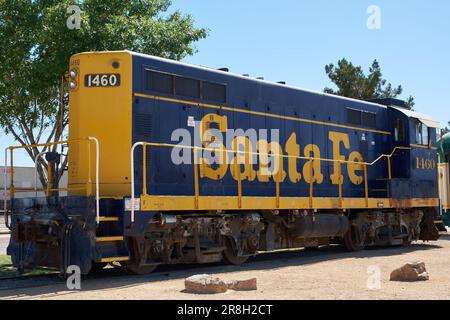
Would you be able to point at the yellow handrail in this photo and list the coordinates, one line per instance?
(152, 144)
(277, 178)
(14, 190)
(88, 187)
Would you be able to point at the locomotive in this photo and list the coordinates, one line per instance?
(172, 163)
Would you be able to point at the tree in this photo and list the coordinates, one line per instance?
(36, 44)
(353, 83)
(446, 129)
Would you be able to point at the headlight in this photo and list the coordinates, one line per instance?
(73, 85)
(73, 74)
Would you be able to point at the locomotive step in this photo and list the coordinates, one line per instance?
(110, 239)
(114, 259)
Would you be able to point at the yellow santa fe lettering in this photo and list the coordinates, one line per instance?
(270, 162)
(337, 138)
(352, 168)
(218, 152)
(313, 151)
(293, 151)
(244, 157)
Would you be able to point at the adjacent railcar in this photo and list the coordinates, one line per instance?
(199, 165)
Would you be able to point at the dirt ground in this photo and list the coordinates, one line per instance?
(330, 273)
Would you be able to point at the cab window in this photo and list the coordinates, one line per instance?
(422, 134)
(399, 131)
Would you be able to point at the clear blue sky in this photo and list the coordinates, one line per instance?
(293, 40)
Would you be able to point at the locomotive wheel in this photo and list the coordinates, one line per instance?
(352, 239)
(230, 255)
(139, 270)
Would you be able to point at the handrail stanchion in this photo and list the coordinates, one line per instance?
(144, 169)
(389, 168)
(11, 183)
(132, 179)
(311, 183)
(89, 182)
(196, 187)
(447, 179)
(277, 178)
(340, 184)
(97, 176)
(366, 186)
(5, 189)
(238, 173)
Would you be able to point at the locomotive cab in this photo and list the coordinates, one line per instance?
(415, 162)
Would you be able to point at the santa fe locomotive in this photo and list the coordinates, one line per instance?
(174, 163)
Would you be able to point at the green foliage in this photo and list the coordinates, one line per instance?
(36, 45)
(446, 129)
(352, 82)
(8, 271)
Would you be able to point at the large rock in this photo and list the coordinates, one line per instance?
(205, 284)
(411, 272)
(243, 285)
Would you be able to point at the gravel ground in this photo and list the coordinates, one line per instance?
(330, 273)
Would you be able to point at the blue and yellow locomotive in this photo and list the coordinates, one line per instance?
(175, 163)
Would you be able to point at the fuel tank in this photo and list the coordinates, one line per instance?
(319, 226)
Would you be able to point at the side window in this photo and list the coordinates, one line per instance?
(354, 117)
(159, 82)
(171, 84)
(399, 131)
(425, 135)
(369, 119)
(361, 118)
(214, 92)
(422, 134)
(187, 87)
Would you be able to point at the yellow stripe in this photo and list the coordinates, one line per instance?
(109, 239)
(115, 259)
(422, 147)
(207, 105)
(190, 203)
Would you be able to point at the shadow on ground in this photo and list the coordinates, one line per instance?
(112, 279)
